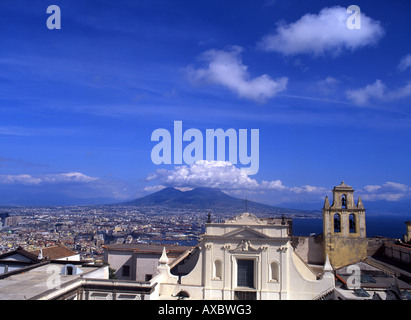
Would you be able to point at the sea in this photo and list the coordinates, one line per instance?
(391, 226)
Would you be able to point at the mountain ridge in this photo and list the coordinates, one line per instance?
(206, 198)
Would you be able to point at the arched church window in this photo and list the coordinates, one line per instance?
(352, 223)
(274, 272)
(218, 269)
(337, 222)
(344, 201)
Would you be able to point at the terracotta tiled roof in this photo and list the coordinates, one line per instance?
(55, 252)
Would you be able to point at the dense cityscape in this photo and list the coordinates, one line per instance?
(84, 229)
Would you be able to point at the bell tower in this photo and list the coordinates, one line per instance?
(344, 230)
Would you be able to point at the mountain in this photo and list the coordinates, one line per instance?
(199, 197)
(205, 198)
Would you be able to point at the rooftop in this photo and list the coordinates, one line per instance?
(36, 281)
(32, 258)
(147, 248)
(343, 186)
(371, 277)
(54, 252)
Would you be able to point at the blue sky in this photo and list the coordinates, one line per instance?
(78, 105)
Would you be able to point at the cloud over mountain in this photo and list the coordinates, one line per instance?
(225, 176)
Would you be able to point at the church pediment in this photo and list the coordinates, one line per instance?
(245, 218)
(244, 233)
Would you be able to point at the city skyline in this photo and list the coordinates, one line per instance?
(79, 104)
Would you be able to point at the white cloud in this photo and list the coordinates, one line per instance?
(328, 81)
(405, 63)
(226, 68)
(68, 177)
(389, 191)
(327, 85)
(402, 92)
(213, 174)
(396, 186)
(363, 95)
(309, 189)
(272, 185)
(372, 188)
(377, 91)
(325, 32)
(383, 196)
(154, 188)
(223, 175)
(27, 179)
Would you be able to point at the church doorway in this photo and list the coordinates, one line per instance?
(245, 273)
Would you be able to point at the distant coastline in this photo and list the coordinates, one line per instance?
(391, 226)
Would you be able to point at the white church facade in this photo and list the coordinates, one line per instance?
(243, 258)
